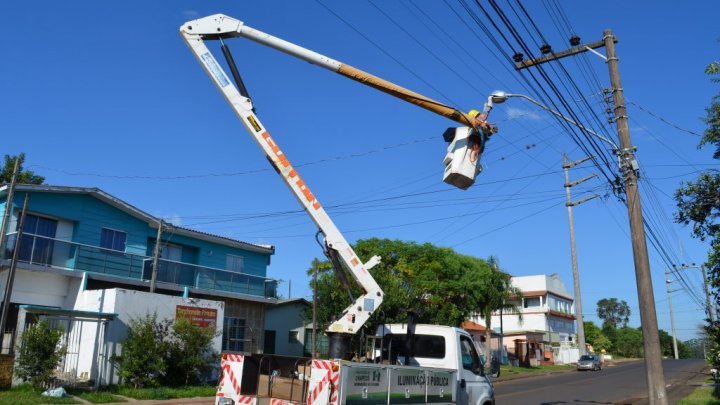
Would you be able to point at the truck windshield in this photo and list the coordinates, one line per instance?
(426, 346)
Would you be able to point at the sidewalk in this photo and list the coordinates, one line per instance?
(178, 401)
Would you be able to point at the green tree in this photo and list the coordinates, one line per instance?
(144, 352)
(596, 338)
(40, 353)
(438, 284)
(190, 353)
(24, 176)
(613, 312)
(629, 342)
(499, 294)
(698, 204)
(666, 344)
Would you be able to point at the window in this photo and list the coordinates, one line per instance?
(293, 337)
(233, 334)
(469, 356)
(531, 302)
(112, 239)
(37, 243)
(234, 263)
(426, 346)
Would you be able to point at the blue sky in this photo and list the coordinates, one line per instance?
(106, 94)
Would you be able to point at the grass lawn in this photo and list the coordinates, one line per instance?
(701, 396)
(25, 395)
(100, 397)
(165, 392)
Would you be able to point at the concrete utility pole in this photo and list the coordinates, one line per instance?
(708, 305)
(156, 257)
(576, 275)
(8, 204)
(628, 166)
(11, 272)
(646, 297)
(672, 316)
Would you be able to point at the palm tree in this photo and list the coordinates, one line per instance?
(500, 296)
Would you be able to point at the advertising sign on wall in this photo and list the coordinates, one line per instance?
(204, 317)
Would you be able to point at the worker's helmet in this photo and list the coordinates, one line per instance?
(474, 113)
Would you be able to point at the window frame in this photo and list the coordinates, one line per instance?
(114, 234)
(235, 259)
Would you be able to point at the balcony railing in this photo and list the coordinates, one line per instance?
(43, 251)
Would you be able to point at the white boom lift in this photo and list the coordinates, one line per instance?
(462, 159)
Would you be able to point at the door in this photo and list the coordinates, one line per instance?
(269, 342)
(474, 387)
(170, 267)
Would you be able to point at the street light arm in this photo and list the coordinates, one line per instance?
(557, 114)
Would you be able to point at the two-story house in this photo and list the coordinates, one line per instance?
(85, 260)
(544, 329)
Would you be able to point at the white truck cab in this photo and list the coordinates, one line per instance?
(440, 347)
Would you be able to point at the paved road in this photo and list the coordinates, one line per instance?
(623, 383)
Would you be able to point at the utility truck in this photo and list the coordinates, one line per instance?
(405, 363)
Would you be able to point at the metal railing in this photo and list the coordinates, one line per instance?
(44, 251)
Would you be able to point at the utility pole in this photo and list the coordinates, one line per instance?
(11, 272)
(9, 204)
(708, 306)
(156, 257)
(672, 316)
(315, 265)
(628, 166)
(573, 253)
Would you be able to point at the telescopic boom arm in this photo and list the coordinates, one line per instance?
(219, 27)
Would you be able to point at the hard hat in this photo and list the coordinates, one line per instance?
(474, 113)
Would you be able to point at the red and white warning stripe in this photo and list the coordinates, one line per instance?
(230, 380)
(333, 376)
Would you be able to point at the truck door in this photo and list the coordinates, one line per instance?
(474, 388)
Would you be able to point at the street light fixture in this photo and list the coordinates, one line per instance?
(499, 97)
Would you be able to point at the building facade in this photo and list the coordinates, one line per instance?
(543, 329)
(85, 258)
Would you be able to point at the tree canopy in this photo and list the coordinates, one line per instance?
(439, 285)
(24, 176)
(698, 204)
(614, 313)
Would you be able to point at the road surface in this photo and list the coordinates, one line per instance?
(623, 383)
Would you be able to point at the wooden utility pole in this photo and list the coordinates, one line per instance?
(573, 253)
(156, 257)
(316, 265)
(11, 272)
(628, 166)
(9, 204)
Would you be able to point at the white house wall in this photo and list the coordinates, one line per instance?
(129, 305)
(36, 288)
(512, 322)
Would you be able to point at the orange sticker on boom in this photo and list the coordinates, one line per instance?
(309, 197)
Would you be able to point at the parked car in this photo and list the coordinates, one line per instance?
(589, 362)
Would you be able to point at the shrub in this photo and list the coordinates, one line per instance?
(191, 353)
(144, 351)
(40, 353)
(160, 352)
